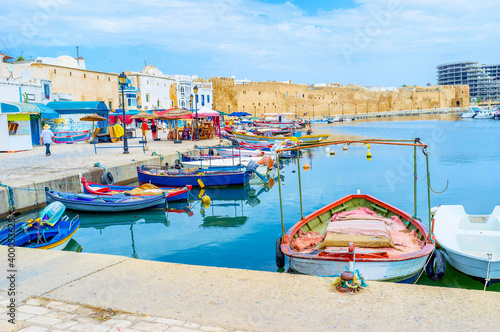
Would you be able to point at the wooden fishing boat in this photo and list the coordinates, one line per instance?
(173, 193)
(71, 136)
(209, 177)
(306, 139)
(103, 203)
(470, 243)
(318, 246)
(51, 230)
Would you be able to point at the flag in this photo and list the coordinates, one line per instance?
(306, 113)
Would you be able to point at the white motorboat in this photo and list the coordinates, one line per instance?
(469, 114)
(485, 114)
(470, 243)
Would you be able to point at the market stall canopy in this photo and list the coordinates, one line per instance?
(119, 111)
(79, 107)
(17, 107)
(47, 112)
(238, 114)
(205, 113)
(92, 117)
(176, 113)
(27, 108)
(145, 115)
(161, 113)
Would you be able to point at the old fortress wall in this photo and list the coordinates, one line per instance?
(271, 97)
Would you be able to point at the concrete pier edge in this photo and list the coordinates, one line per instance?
(237, 299)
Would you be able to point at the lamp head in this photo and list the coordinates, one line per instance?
(122, 78)
(195, 89)
(191, 97)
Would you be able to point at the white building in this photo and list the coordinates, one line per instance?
(154, 90)
(19, 86)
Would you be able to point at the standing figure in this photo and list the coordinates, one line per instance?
(46, 138)
(153, 129)
(144, 128)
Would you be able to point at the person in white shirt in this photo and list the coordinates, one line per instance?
(46, 138)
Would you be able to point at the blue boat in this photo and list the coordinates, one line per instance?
(100, 203)
(51, 230)
(201, 177)
(174, 193)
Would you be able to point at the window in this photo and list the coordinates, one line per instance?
(147, 97)
(54, 71)
(84, 75)
(110, 103)
(70, 74)
(46, 91)
(259, 93)
(158, 102)
(97, 77)
(303, 96)
(208, 99)
(244, 92)
(109, 79)
(287, 94)
(202, 100)
(296, 95)
(129, 102)
(157, 84)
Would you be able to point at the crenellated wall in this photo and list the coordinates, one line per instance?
(258, 98)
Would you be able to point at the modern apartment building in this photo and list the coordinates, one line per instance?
(483, 80)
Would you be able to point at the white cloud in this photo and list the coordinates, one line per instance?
(270, 40)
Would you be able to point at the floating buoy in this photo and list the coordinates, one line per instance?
(436, 267)
(306, 167)
(205, 200)
(280, 257)
(332, 153)
(368, 154)
(368, 145)
(345, 148)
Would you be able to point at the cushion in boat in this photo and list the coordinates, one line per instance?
(362, 232)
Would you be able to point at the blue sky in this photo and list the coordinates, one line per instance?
(368, 42)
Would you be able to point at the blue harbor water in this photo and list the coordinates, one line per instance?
(240, 227)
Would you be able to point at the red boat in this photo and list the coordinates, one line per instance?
(174, 193)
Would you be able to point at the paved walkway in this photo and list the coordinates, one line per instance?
(154, 296)
(41, 315)
(65, 159)
(29, 172)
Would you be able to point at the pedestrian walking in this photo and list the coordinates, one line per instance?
(46, 138)
(144, 128)
(153, 129)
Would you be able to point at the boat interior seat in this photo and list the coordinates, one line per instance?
(479, 242)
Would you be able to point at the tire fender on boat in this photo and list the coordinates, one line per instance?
(436, 267)
(107, 178)
(280, 257)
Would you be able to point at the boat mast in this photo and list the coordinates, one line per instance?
(300, 185)
(281, 200)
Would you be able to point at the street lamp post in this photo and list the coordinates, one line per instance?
(191, 104)
(122, 79)
(195, 89)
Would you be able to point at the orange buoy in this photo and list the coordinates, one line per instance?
(306, 167)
